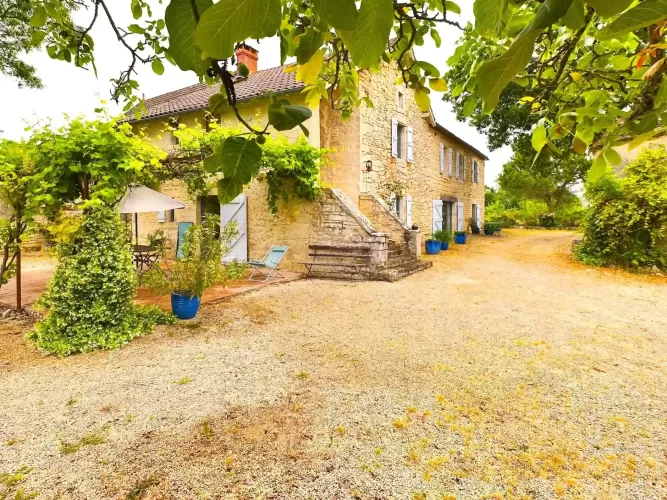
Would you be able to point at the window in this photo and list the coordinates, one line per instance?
(400, 138)
(475, 172)
(400, 100)
(171, 215)
(460, 165)
(161, 216)
(398, 204)
(474, 215)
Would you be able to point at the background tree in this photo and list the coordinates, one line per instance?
(18, 35)
(88, 161)
(16, 174)
(550, 177)
(583, 54)
(586, 72)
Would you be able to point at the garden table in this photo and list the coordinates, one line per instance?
(145, 256)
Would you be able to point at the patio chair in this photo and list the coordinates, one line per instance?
(182, 228)
(267, 268)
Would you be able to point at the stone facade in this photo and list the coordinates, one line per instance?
(365, 136)
(421, 177)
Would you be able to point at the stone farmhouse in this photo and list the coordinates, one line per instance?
(441, 177)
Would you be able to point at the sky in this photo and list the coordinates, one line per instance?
(74, 91)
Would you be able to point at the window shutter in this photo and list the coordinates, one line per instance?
(408, 210)
(394, 138)
(458, 165)
(161, 216)
(442, 158)
(464, 168)
(479, 216)
(459, 216)
(451, 156)
(437, 215)
(410, 133)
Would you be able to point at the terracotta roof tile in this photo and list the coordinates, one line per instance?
(195, 97)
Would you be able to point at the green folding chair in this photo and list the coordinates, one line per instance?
(267, 268)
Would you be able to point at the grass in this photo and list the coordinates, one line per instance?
(11, 479)
(141, 488)
(183, 381)
(302, 375)
(92, 439)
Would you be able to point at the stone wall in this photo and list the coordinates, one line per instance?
(421, 177)
(344, 138)
(382, 218)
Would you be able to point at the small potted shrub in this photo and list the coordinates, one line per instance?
(474, 228)
(432, 246)
(444, 237)
(198, 269)
(460, 237)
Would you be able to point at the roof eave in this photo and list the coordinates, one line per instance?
(442, 129)
(202, 108)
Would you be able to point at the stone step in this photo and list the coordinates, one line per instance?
(396, 273)
(399, 261)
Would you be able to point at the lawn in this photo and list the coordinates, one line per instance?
(505, 371)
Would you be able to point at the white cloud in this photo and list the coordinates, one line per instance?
(77, 92)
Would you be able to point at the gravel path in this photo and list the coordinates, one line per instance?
(505, 371)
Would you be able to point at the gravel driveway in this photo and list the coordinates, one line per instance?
(505, 371)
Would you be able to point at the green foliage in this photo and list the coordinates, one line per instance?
(459, 233)
(90, 161)
(236, 269)
(491, 228)
(292, 169)
(443, 236)
(199, 268)
(548, 220)
(626, 219)
(565, 66)
(89, 298)
(15, 177)
(23, 29)
(549, 177)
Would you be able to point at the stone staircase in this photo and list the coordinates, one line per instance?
(355, 245)
(401, 263)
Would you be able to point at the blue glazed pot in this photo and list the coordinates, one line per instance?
(432, 247)
(183, 306)
(460, 239)
(444, 245)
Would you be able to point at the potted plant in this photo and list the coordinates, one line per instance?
(474, 228)
(432, 246)
(444, 237)
(460, 237)
(198, 269)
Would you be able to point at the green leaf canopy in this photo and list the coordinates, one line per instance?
(231, 21)
(368, 41)
(181, 24)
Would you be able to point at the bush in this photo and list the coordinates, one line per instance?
(89, 298)
(548, 220)
(491, 228)
(625, 222)
(199, 268)
(443, 236)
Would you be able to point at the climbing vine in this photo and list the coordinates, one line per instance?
(291, 169)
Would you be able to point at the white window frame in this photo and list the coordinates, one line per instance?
(400, 100)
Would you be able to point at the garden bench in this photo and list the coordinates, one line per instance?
(311, 264)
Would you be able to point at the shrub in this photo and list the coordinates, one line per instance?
(200, 266)
(491, 228)
(474, 228)
(443, 236)
(625, 222)
(548, 220)
(89, 298)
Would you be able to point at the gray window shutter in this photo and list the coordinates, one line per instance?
(442, 158)
(458, 165)
(410, 134)
(394, 138)
(451, 157)
(464, 168)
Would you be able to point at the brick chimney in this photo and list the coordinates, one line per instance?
(245, 54)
